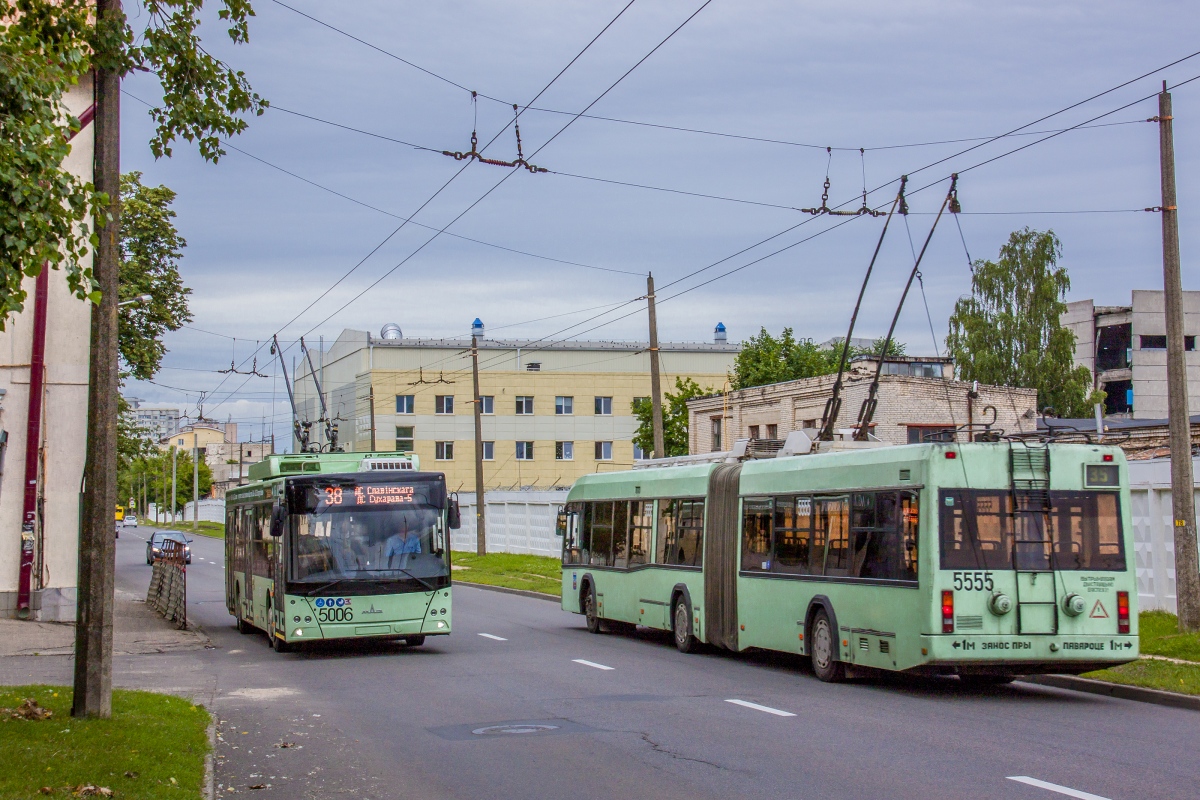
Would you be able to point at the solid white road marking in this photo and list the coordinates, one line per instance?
(757, 707)
(1054, 787)
(587, 663)
(490, 636)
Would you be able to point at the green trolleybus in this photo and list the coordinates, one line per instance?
(339, 545)
(985, 560)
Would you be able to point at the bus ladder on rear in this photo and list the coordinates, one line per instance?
(1029, 475)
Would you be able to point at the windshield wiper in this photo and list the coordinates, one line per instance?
(421, 581)
(323, 587)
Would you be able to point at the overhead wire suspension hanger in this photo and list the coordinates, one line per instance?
(824, 208)
(474, 155)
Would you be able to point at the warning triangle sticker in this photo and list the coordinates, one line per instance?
(1098, 611)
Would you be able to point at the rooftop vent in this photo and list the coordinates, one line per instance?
(391, 331)
(719, 336)
(534, 366)
(374, 464)
(477, 328)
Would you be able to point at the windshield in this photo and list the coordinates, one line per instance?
(1081, 531)
(390, 543)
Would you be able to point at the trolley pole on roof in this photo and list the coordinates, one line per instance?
(480, 527)
(1183, 504)
(656, 415)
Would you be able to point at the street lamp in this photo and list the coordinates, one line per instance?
(141, 300)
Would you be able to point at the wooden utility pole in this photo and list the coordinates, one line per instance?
(660, 449)
(97, 549)
(1183, 504)
(480, 499)
(371, 402)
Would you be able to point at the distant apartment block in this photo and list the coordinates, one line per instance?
(1125, 348)
(156, 422)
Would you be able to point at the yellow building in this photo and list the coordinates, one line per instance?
(551, 412)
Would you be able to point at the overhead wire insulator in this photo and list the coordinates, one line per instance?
(474, 155)
(824, 208)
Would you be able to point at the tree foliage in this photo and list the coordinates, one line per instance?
(155, 467)
(46, 47)
(1007, 332)
(768, 359)
(675, 418)
(150, 253)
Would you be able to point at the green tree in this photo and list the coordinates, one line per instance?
(766, 359)
(675, 418)
(155, 466)
(1007, 332)
(150, 251)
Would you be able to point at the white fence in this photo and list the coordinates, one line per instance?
(1153, 531)
(515, 522)
(210, 511)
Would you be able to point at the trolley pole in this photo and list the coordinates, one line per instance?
(656, 415)
(480, 527)
(1183, 504)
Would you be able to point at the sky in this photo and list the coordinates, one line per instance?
(902, 79)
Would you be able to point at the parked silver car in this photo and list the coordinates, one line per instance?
(154, 547)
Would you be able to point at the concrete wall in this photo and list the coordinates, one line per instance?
(1150, 366)
(1080, 319)
(1153, 532)
(517, 522)
(64, 426)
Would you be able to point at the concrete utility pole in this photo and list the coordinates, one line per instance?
(480, 528)
(174, 480)
(97, 549)
(660, 448)
(195, 480)
(1183, 502)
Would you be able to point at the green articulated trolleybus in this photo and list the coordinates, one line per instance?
(324, 546)
(982, 559)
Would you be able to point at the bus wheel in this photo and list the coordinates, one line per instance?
(414, 641)
(685, 640)
(242, 626)
(589, 610)
(277, 642)
(824, 646)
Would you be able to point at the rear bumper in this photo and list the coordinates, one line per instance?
(1025, 655)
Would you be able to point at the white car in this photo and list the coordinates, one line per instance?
(130, 521)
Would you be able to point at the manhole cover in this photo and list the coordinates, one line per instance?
(513, 730)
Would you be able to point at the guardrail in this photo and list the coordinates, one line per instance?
(168, 583)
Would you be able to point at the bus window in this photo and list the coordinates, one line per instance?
(832, 524)
(620, 545)
(875, 537)
(684, 544)
(602, 534)
(641, 522)
(910, 527)
(756, 532)
(585, 533)
(572, 552)
(975, 530)
(793, 533)
(667, 510)
(1086, 528)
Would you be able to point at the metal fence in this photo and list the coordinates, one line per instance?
(516, 522)
(168, 583)
(1154, 532)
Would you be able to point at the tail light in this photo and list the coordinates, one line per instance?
(948, 613)
(1122, 612)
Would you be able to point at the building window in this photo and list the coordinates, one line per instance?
(524, 404)
(487, 404)
(772, 431)
(489, 451)
(404, 404)
(404, 438)
(919, 434)
(443, 451)
(524, 451)
(638, 453)
(604, 451)
(564, 451)
(1160, 342)
(443, 404)
(753, 431)
(716, 434)
(604, 406)
(564, 405)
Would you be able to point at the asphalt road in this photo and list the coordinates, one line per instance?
(630, 717)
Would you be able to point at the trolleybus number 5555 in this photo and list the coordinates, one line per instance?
(973, 581)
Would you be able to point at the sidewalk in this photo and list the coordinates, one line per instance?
(137, 630)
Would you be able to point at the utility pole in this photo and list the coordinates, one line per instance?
(1183, 503)
(97, 549)
(371, 402)
(195, 480)
(480, 529)
(656, 416)
(174, 480)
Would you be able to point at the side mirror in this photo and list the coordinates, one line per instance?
(189, 541)
(560, 527)
(278, 514)
(453, 514)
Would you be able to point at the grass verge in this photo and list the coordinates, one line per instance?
(1151, 673)
(152, 747)
(1158, 632)
(213, 529)
(534, 573)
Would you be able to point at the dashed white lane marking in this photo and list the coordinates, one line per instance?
(757, 707)
(491, 636)
(1054, 787)
(587, 663)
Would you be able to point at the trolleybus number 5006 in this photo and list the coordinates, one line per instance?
(335, 615)
(973, 581)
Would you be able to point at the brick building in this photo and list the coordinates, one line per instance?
(911, 408)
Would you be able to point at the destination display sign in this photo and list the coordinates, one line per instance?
(367, 495)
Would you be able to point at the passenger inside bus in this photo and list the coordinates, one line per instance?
(368, 544)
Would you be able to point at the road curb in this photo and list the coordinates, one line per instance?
(523, 592)
(209, 777)
(1118, 690)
